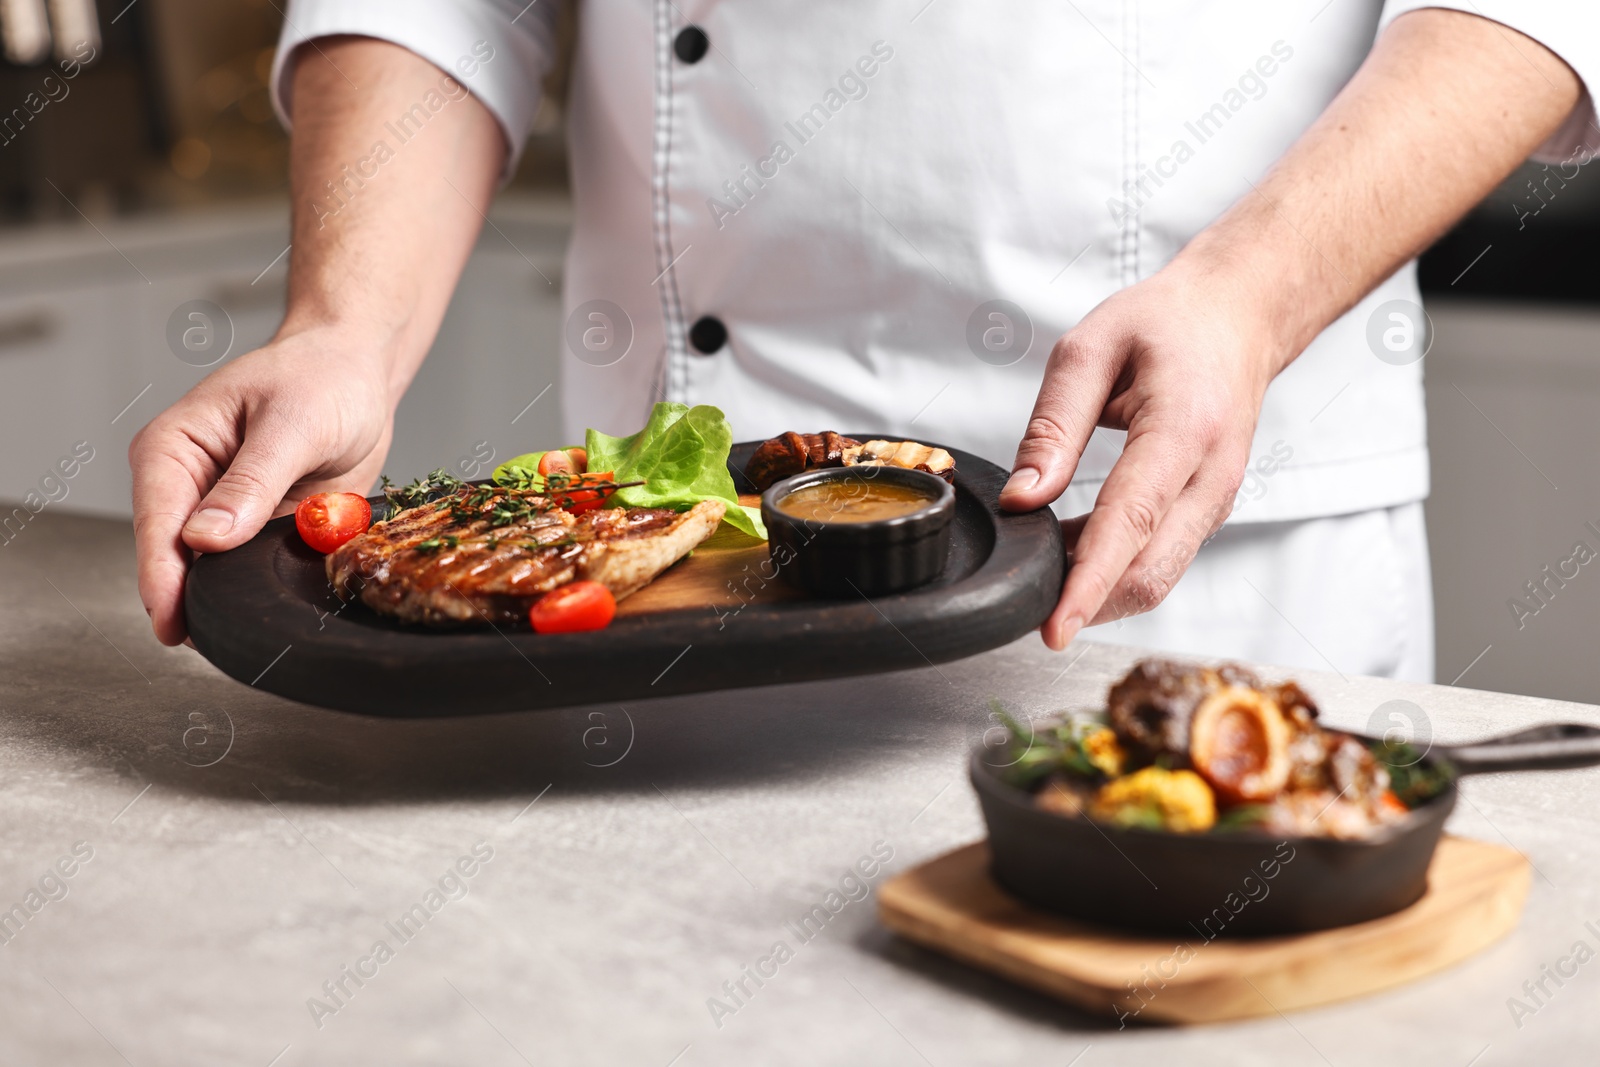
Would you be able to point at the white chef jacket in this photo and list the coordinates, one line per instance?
(842, 188)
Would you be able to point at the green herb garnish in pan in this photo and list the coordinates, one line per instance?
(1414, 779)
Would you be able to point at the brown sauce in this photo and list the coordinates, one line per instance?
(853, 501)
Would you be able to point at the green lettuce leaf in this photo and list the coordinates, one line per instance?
(681, 455)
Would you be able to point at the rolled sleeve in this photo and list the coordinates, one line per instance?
(498, 49)
(1570, 29)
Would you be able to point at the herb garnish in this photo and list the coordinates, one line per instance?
(1035, 755)
(435, 485)
(497, 505)
(1414, 779)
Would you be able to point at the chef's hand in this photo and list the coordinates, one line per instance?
(308, 413)
(1175, 362)
(1182, 360)
(370, 276)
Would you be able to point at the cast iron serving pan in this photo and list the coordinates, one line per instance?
(1174, 883)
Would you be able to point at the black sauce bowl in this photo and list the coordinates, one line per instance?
(848, 559)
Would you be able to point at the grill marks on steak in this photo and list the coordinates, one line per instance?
(474, 571)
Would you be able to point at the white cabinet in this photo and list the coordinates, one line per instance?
(84, 352)
(60, 384)
(497, 351)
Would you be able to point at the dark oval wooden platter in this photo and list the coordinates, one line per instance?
(720, 619)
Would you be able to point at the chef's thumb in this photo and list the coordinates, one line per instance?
(246, 495)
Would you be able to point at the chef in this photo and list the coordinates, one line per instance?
(1167, 247)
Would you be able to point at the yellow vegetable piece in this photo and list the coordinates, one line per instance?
(1101, 748)
(1158, 799)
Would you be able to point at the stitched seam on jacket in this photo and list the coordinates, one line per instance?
(661, 156)
(1133, 82)
(1128, 239)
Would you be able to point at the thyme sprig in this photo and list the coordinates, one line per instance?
(437, 484)
(522, 480)
(507, 504)
(502, 506)
(433, 544)
(496, 503)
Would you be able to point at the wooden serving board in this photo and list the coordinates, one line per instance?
(719, 619)
(950, 904)
(727, 570)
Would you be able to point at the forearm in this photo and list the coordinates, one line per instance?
(1446, 105)
(385, 209)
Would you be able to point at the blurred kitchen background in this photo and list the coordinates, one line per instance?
(156, 176)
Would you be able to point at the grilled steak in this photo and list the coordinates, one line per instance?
(486, 555)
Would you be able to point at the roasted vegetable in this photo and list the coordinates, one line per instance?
(1101, 749)
(1157, 799)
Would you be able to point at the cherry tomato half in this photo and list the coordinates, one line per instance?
(573, 607)
(578, 499)
(328, 520)
(564, 461)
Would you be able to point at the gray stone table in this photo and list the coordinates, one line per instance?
(230, 852)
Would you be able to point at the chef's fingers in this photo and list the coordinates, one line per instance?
(1198, 513)
(1071, 530)
(1077, 381)
(269, 462)
(1153, 469)
(169, 472)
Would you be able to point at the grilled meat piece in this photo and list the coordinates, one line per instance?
(1324, 813)
(909, 454)
(1239, 742)
(1150, 709)
(478, 556)
(1243, 677)
(1345, 795)
(792, 453)
(788, 454)
(1295, 703)
(1336, 788)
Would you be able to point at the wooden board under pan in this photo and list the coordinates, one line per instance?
(950, 904)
